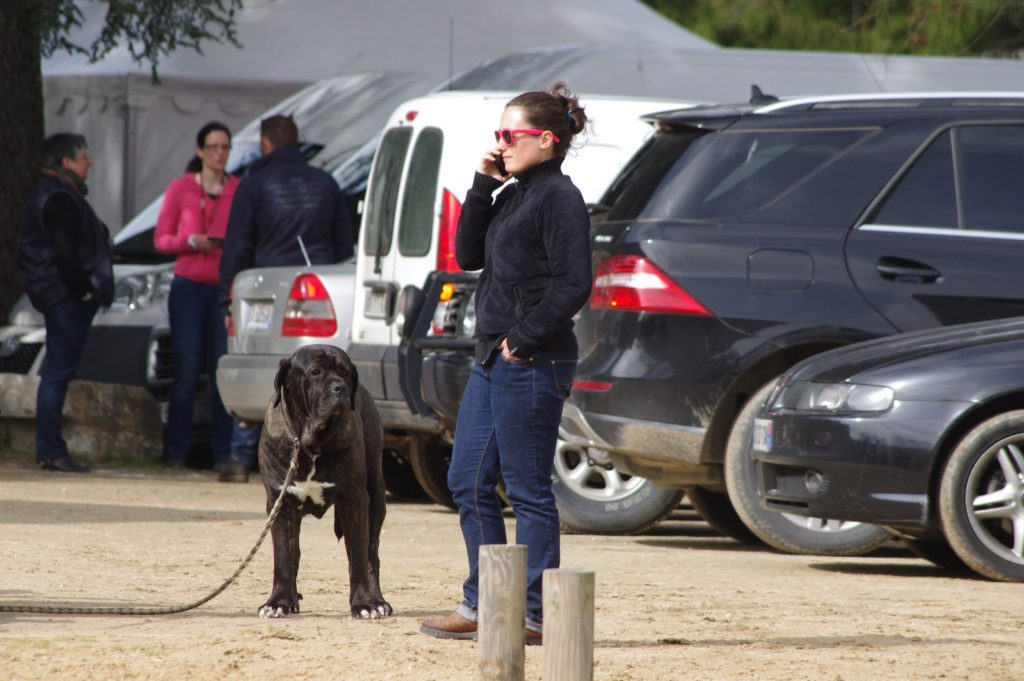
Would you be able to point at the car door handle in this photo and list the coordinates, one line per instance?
(906, 271)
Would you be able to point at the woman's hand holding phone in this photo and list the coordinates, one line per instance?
(494, 165)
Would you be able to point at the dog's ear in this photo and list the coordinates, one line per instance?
(281, 379)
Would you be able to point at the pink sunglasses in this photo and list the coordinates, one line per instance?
(508, 136)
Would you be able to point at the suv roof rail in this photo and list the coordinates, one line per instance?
(718, 116)
(892, 100)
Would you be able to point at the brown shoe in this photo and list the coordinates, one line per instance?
(532, 638)
(452, 626)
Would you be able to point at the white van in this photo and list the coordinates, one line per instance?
(422, 169)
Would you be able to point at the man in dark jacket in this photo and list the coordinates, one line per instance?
(65, 266)
(282, 201)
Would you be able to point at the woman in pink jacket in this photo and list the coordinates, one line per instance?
(192, 223)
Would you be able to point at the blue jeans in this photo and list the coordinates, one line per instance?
(245, 443)
(67, 328)
(508, 423)
(198, 339)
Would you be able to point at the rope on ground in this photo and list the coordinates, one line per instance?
(171, 610)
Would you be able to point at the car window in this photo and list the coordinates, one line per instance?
(382, 191)
(627, 195)
(417, 222)
(992, 168)
(926, 195)
(740, 171)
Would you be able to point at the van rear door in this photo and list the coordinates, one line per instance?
(400, 213)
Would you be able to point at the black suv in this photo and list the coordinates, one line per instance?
(741, 240)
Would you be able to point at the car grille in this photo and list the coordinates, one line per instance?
(19, 360)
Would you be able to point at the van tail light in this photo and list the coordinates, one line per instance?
(633, 283)
(309, 311)
(450, 210)
(231, 325)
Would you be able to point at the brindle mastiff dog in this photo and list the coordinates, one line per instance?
(317, 398)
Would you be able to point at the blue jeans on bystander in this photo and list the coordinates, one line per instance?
(245, 443)
(198, 339)
(67, 328)
(508, 424)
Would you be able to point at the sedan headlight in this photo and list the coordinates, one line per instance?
(140, 291)
(834, 397)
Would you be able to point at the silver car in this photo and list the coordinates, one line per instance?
(276, 310)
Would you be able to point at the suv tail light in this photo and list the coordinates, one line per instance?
(450, 210)
(635, 284)
(309, 311)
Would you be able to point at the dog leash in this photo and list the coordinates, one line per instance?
(170, 610)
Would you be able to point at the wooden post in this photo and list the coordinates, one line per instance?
(568, 625)
(501, 613)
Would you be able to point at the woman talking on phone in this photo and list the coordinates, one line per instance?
(532, 243)
(191, 226)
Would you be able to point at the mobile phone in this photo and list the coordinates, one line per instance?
(499, 163)
(216, 240)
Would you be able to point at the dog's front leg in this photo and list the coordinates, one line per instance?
(284, 597)
(364, 592)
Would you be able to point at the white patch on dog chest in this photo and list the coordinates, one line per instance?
(309, 488)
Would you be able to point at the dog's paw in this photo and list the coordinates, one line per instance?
(275, 609)
(371, 611)
(270, 612)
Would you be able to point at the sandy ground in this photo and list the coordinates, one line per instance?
(678, 603)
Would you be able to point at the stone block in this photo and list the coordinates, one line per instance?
(101, 421)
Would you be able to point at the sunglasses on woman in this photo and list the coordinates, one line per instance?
(508, 136)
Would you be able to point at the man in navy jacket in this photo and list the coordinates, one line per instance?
(282, 200)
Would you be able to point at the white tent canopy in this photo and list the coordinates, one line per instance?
(142, 133)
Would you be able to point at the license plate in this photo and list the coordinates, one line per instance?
(762, 435)
(259, 316)
(376, 304)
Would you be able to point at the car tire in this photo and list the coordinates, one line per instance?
(715, 509)
(980, 498)
(430, 461)
(784, 531)
(399, 478)
(938, 553)
(593, 497)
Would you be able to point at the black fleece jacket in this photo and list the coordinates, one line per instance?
(533, 243)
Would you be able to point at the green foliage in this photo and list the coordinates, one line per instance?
(149, 28)
(926, 27)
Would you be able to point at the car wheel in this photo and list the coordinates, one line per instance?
(981, 498)
(594, 497)
(938, 552)
(715, 509)
(784, 531)
(430, 463)
(399, 478)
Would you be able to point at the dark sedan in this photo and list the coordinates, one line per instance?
(922, 433)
